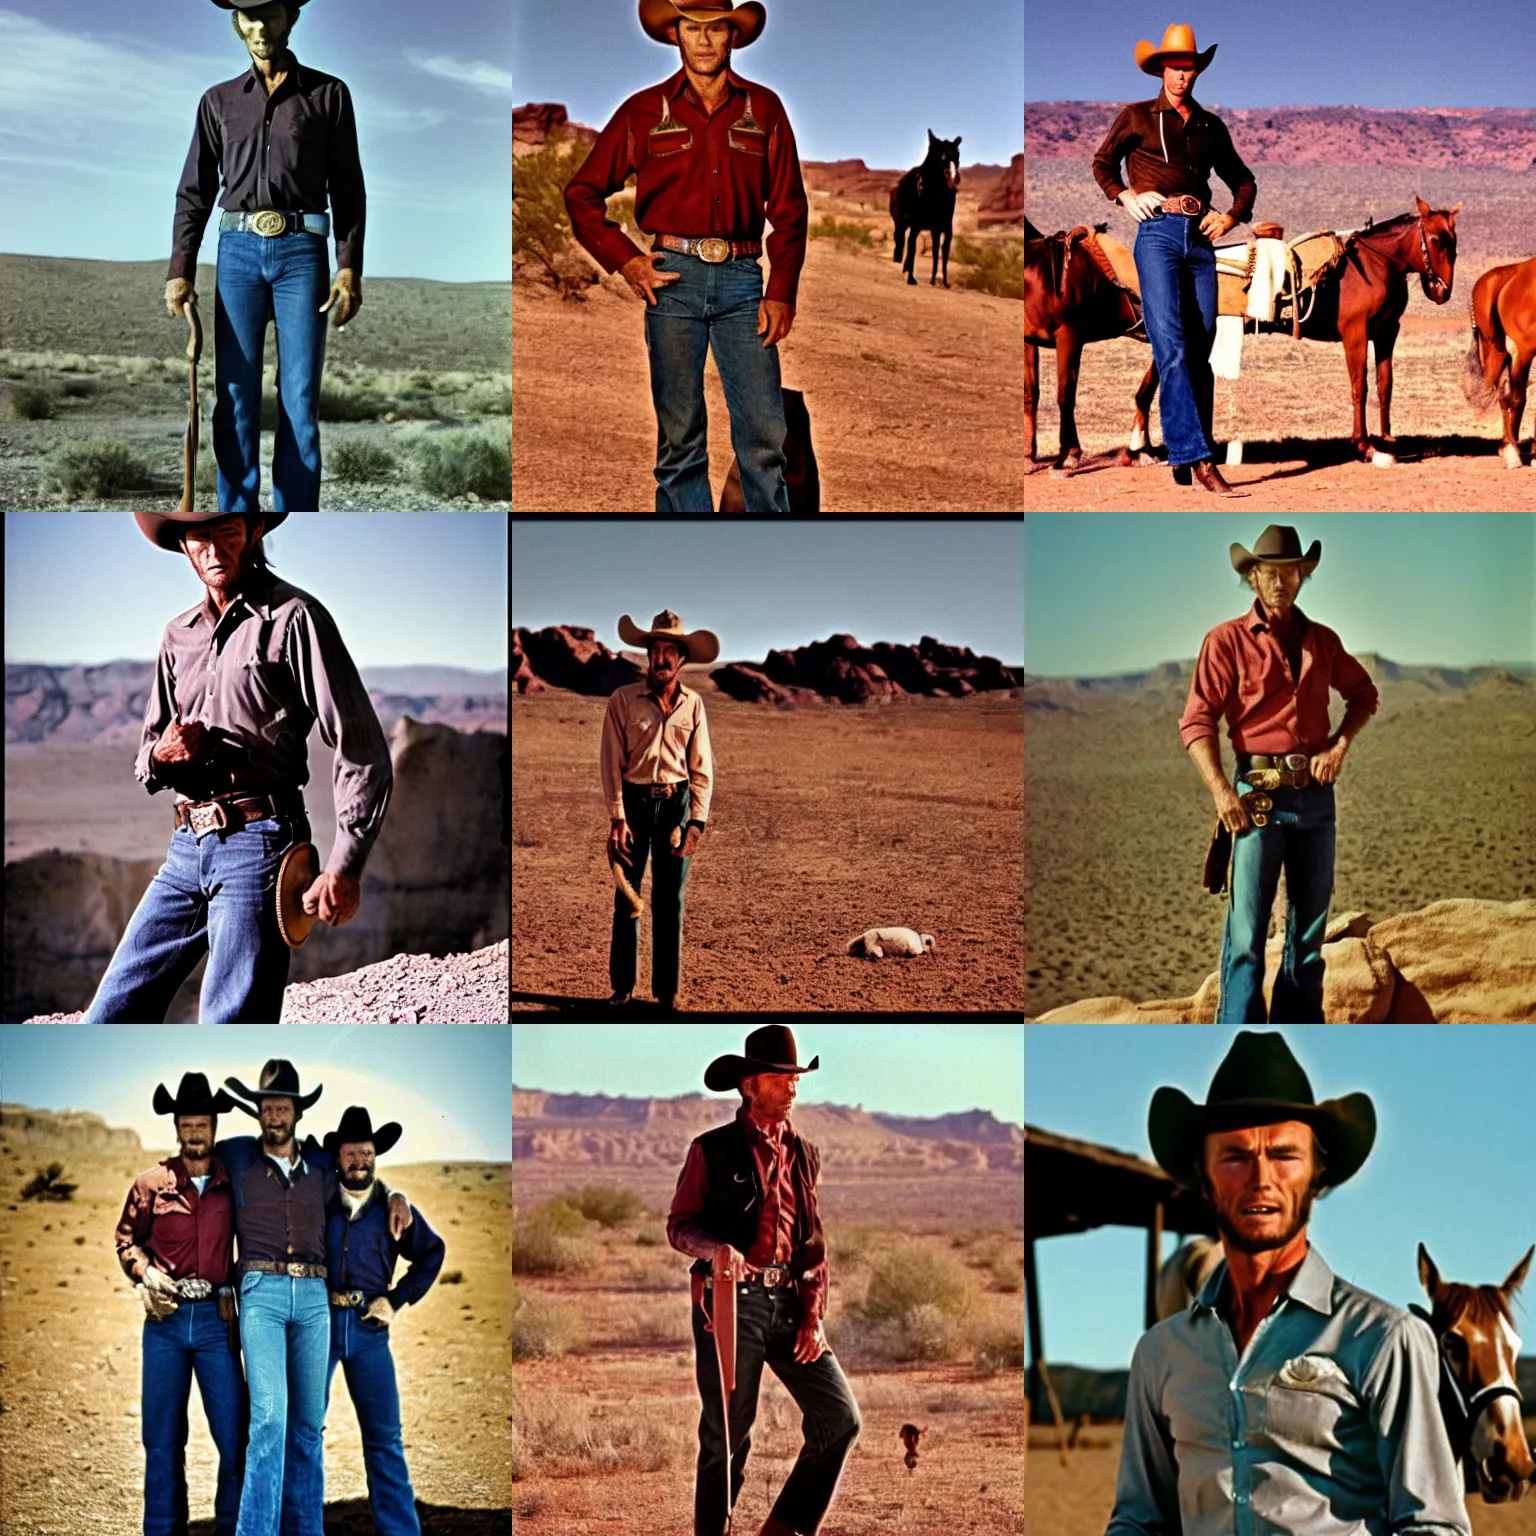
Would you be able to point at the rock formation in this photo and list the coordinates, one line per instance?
(63, 1131)
(567, 656)
(411, 989)
(534, 123)
(1004, 204)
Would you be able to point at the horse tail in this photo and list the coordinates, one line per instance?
(1486, 358)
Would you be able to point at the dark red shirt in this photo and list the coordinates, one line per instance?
(697, 173)
(166, 1222)
(1244, 678)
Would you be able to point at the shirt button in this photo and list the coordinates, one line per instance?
(1242, 1498)
(1237, 1445)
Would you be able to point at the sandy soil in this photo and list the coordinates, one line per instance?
(71, 1461)
(826, 821)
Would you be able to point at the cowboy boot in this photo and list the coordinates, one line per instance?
(1182, 474)
(1209, 479)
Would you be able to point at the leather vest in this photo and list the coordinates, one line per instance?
(281, 1219)
(733, 1204)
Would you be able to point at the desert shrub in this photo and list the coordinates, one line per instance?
(851, 1244)
(100, 467)
(32, 402)
(542, 1328)
(451, 1277)
(78, 389)
(914, 1277)
(606, 1204)
(465, 464)
(646, 1238)
(658, 1322)
(487, 397)
(927, 1332)
(340, 401)
(995, 267)
(829, 228)
(538, 1250)
(560, 1433)
(541, 228)
(999, 1347)
(355, 459)
(561, 1215)
(49, 1185)
(1007, 1275)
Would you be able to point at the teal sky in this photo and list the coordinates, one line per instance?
(1455, 1144)
(894, 1069)
(406, 588)
(761, 585)
(1118, 592)
(448, 1085)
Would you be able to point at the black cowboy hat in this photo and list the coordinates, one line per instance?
(1259, 1083)
(165, 528)
(357, 1125)
(252, 5)
(193, 1097)
(769, 1049)
(1278, 545)
(279, 1080)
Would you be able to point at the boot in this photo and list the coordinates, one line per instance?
(1181, 474)
(1209, 478)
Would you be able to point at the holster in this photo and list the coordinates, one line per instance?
(1218, 860)
(229, 1314)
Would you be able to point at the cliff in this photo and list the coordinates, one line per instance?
(63, 1131)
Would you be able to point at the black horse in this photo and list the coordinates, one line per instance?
(925, 199)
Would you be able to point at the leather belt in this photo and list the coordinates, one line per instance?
(225, 810)
(712, 249)
(348, 1299)
(269, 222)
(293, 1271)
(772, 1278)
(659, 791)
(1185, 203)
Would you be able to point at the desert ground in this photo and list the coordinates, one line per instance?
(1435, 801)
(825, 821)
(1291, 407)
(71, 1461)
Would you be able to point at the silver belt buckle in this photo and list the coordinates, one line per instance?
(269, 222)
(207, 818)
(296, 1271)
(713, 250)
(191, 1289)
(773, 1276)
(1294, 760)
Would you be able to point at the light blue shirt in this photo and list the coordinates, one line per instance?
(1328, 1425)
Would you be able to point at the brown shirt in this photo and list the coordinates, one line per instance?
(646, 744)
(258, 678)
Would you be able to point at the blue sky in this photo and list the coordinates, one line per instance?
(1118, 592)
(901, 1069)
(405, 587)
(448, 1085)
(1369, 53)
(98, 101)
(1456, 1140)
(761, 585)
(860, 79)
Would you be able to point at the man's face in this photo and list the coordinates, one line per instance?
(220, 550)
(355, 1160)
(1261, 1182)
(278, 1118)
(667, 659)
(706, 45)
(1179, 73)
(265, 29)
(1277, 585)
(195, 1135)
(772, 1093)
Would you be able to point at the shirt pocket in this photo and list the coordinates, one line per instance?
(1305, 1403)
(668, 139)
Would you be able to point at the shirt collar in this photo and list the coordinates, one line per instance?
(678, 82)
(355, 1202)
(295, 76)
(754, 1130)
(1162, 104)
(1257, 619)
(1312, 1286)
(255, 594)
(178, 1167)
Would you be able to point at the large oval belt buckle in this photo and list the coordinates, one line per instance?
(714, 251)
(269, 222)
(1189, 205)
(1264, 778)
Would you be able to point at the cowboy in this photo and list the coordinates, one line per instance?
(658, 776)
(712, 154)
(1171, 145)
(281, 1192)
(1268, 674)
(360, 1255)
(746, 1212)
(175, 1241)
(1285, 1399)
(240, 680)
(283, 140)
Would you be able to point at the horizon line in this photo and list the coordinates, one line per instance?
(1448, 666)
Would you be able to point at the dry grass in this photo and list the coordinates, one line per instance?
(543, 1328)
(565, 1435)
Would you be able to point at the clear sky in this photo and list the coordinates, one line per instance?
(405, 588)
(1365, 53)
(1455, 1143)
(98, 101)
(860, 79)
(893, 1069)
(449, 1085)
(761, 585)
(1118, 592)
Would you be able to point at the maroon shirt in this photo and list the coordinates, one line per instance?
(697, 173)
(166, 1222)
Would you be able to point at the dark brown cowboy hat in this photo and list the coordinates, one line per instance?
(748, 18)
(298, 871)
(1179, 38)
(193, 1097)
(702, 645)
(279, 1080)
(357, 1125)
(1279, 545)
(1259, 1083)
(165, 528)
(769, 1049)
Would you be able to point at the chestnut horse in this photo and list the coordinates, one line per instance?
(1503, 345)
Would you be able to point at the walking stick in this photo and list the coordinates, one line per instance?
(725, 1353)
(189, 453)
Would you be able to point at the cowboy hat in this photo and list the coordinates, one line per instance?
(357, 1125)
(252, 5)
(702, 644)
(748, 18)
(1179, 38)
(279, 1080)
(165, 528)
(193, 1097)
(769, 1049)
(1259, 1083)
(298, 871)
(1278, 545)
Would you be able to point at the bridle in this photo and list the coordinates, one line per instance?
(1457, 1405)
(1429, 275)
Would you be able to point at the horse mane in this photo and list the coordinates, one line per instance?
(1459, 1297)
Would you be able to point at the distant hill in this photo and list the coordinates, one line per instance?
(435, 680)
(63, 1131)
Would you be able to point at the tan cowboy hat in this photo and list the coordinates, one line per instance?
(1278, 545)
(164, 528)
(748, 18)
(1179, 38)
(298, 871)
(702, 645)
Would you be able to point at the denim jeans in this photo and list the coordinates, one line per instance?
(1177, 268)
(191, 1340)
(1299, 839)
(651, 823)
(714, 305)
(766, 1322)
(285, 1329)
(216, 895)
(285, 279)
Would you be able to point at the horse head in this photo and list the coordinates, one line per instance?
(1437, 250)
(945, 153)
(1478, 1343)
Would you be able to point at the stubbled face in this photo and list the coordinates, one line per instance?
(195, 1134)
(278, 1118)
(220, 551)
(1276, 585)
(772, 1093)
(1260, 1180)
(667, 658)
(355, 1159)
(1179, 74)
(264, 30)
(706, 46)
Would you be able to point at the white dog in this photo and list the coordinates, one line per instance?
(876, 943)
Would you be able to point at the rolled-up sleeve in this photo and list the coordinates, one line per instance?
(1210, 690)
(1147, 1488)
(701, 769)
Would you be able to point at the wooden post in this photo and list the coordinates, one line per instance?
(1154, 1260)
(1032, 1312)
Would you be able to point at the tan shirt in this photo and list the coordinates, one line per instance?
(645, 745)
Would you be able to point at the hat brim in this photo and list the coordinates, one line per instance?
(165, 528)
(1243, 560)
(295, 875)
(248, 5)
(383, 1138)
(726, 1072)
(748, 19)
(256, 1095)
(702, 645)
(1149, 58)
(219, 1104)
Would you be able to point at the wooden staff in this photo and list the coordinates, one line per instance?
(725, 1353)
(189, 453)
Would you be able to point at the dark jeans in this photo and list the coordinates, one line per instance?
(651, 823)
(1177, 268)
(766, 1322)
(191, 1340)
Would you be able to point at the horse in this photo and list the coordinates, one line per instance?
(1479, 1396)
(1503, 344)
(1183, 1275)
(924, 199)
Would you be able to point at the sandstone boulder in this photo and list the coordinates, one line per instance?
(537, 120)
(567, 656)
(524, 678)
(753, 686)
(840, 668)
(1004, 204)
(1463, 962)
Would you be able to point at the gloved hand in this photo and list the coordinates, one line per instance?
(380, 1311)
(158, 1295)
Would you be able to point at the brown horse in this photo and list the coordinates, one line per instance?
(1503, 345)
(1480, 1397)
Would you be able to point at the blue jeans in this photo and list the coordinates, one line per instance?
(1300, 840)
(285, 278)
(285, 1329)
(192, 1339)
(216, 896)
(714, 306)
(1177, 268)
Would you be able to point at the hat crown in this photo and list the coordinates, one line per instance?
(1260, 1066)
(193, 1086)
(1179, 38)
(773, 1042)
(1278, 542)
(356, 1125)
(280, 1075)
(667, 620)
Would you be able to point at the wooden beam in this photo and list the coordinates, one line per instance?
(1154, 1260)
(1032, 1311)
